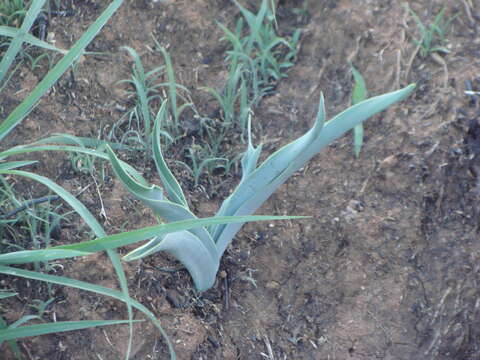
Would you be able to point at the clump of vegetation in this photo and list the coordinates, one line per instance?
(15, 39)
(201, 249)
(197, 243)
(259, 58)
(136, 125)
(12, 12)
(432, 37)
(10, 168)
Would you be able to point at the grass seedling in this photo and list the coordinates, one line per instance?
(359, 93)
(137, 122)
(229, 96)
(262, 44)
(258, 59)
(172, 87)
(198, 164)
(29, 223)
(40, 306)
(433, 36)
(145, 91)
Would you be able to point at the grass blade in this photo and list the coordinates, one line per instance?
(12, 32)
(55, 327)
(61, 280)
(16, 43)
(4, 295)
(53, 75)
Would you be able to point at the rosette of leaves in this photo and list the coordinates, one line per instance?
(201, 249)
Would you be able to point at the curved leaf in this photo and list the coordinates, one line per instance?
(270, 169)
(61, 280)
(12, 333)
(15, 164)
(171, 184)
(274, 171)
(190, 251)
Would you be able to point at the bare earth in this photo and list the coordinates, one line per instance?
(387, 268)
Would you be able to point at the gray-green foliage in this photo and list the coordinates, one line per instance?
(9, 168)
(201, 249)
(9, 332)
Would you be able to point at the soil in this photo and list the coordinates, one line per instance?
(389, 265)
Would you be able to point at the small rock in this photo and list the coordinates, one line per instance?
(273, 285)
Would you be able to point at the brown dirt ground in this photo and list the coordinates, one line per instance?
(388, 267)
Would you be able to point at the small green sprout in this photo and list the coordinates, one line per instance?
(433, 36)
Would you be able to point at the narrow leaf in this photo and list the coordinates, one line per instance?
(54, 327)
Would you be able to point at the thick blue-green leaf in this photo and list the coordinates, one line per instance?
(152, 197)
(190, 251)
(272, 167)
(255, 190)
(250, 157)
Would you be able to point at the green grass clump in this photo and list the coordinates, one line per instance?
(138, 120)
(258, 59)
(136, 125)
(15, 39)
(12, 12)
(9, 168)
(433, 36)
